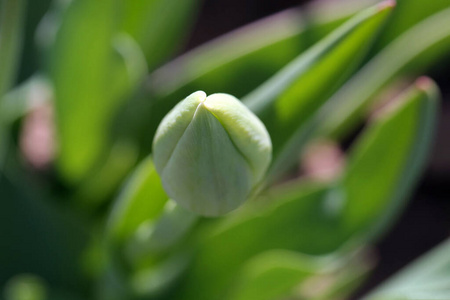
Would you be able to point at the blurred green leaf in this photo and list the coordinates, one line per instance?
(129, 67)
(375, 188)
(158, 26)
(290, 98)
(240, 61)
(407, 14)
(426, 278)
(104, 181)
(319, 219)
(280, 274)
(101, 183)
(81, 73)
(25, 287)
(142, 199)
(274, 274)
(415, 50)
(286, 224)
(11, 35)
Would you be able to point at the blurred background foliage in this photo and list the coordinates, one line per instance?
(84, 84)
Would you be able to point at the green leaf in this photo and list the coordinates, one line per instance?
(129, 67)
(426, 278)
(11, 31)
(280, 274)
(387, 160)
(158, 26)
(407, 14)
(241, 60)
(416, 49)
(101, 183)
(289, 99)
(142, 199)
(81, 69)
(274, 274)
(104, 181)
(285, 224)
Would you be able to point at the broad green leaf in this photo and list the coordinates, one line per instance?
(416, 49)
(407, 14)
(158, 26)
(142, 199)
(289, 99)
(101, 183)
(81, 69)
(426, 278)
(387, 160)
(11, 31)
(227, 246)
(319, 219)
(240, 61)
(274, 274)
(280, 274)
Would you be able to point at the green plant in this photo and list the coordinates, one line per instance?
(90, 219)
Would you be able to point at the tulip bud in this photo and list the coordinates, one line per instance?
(211, 152)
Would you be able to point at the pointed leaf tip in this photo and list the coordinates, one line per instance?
(428, 86)
(387, 4)
(424, 83)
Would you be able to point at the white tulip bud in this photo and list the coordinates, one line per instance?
(211, 152)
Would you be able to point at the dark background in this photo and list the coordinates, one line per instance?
(426, 221)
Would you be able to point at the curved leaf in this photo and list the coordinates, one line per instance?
(387, 160)
(426, 278)
(416, 49)
(287, 101)
(142, 199)
(81, 79)
(158, 25)
(11, 31)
